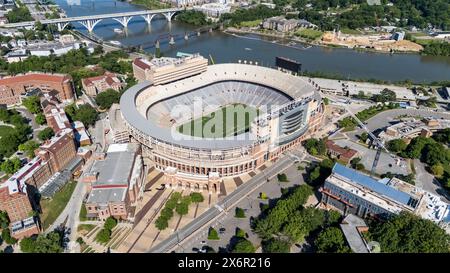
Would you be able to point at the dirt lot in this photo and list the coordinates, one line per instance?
(380, 42)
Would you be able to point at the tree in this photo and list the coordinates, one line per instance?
(363, 137)
(11, 166)
(46, 134)
(437, 170)
(396, 145)
(197, 197)
(167, 213)
(40, 119)
(332, 217)
(29, 147)
(86, 114)
(4, 220)
(50, 243)
(161, 223)
(315, 146)
(385, 95)
(212, 234)
(110, 223)
(239, 213)
(182, 208)
(192, 17)
(240, 233)
(331, 240)
(276, 245)
(263, 195)
(27, 245)
(98, 50)
(6, 236)
(4, 115)
(408, 233)
(103, 236)
(107, 98)
(244, 246)
(19, 14)
(33, 104)
(282, 177)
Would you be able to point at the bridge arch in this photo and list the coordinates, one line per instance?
(123, 20)
(90, 23)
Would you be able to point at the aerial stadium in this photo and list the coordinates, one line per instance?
(218, 120)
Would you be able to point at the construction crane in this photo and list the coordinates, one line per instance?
(378, 143)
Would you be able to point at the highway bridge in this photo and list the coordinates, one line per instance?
(89, 22)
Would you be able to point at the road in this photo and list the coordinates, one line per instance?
(71, 212)
(427, 182)
(70, 215)
(222, 206)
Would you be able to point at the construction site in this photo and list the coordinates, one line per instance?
(379, 42)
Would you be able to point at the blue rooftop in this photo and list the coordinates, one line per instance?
(372, 184)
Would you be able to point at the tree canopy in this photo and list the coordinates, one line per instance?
(107, 98)
(244, 246)
(46, 134)
(11, 166)
(33, 104)
(332, 240)
(407, 233)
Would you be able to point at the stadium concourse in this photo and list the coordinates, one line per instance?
(288, 109)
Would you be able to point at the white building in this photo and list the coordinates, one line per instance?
(213, 9)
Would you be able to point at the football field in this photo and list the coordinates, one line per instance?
(228, 121)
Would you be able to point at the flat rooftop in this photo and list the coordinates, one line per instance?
(117, 166)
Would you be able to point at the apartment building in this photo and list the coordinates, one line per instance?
(95, 85)
(12, 88)
(164, 70)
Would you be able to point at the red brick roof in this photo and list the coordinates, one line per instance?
(107, 77)
(35, 77)
(139, 63)
(344, 152)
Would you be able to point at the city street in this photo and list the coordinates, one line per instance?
(251, 204)
(223, 206)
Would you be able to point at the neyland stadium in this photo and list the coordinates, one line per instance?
(287, 109)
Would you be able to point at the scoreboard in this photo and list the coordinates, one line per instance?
(288, 64)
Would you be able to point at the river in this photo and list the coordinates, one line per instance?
(228, 48)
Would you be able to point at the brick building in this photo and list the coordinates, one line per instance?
(95, 85)
(12, 88)
(55, 115)
(115, 182)
(342, 153)
(15, 201)
(58, 151)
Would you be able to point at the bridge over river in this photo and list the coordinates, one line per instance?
(89, 22)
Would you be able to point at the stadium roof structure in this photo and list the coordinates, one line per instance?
(135, 102)
(372, 184)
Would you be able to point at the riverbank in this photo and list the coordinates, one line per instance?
(232, 30)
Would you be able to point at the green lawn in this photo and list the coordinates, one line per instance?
(86, 228)
(52, 208)
(83, 213)
(309, 34)
(227, 121)
(253, 23)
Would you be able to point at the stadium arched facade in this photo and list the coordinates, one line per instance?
(288, 109)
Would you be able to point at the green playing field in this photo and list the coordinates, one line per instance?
(230, 120)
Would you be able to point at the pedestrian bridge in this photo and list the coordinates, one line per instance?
(89, 22)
